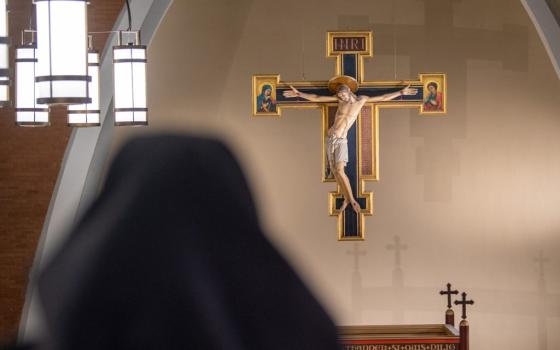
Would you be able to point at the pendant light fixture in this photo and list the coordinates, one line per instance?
(130, 82)
(62, 51)
(64, 71)
(4, 55)
(129, 63)
(88, 114)
(28, 112)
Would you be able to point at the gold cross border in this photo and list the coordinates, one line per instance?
(274, 81)
(368, 52)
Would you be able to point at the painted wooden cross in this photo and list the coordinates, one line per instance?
(349, 49)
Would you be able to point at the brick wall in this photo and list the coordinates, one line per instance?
(30, 160)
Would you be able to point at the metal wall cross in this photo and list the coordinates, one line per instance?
(464, 302)
(448, 292)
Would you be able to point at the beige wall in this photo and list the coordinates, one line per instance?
(474, 195)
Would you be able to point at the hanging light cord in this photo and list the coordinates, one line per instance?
(30, 29)
(31, 18)
(303, 50)
(129, 15)
(394, 40)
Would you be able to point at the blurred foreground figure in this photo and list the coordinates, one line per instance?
(171, 256)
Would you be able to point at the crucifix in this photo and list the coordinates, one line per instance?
(449, 314)
(350, 203)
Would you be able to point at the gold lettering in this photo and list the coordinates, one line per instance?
(399, 347)
(350, 44)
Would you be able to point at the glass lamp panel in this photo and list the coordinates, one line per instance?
(4, 56)
(88, 114)
(124, 117)
(83, 119)
(4, 89)
(26, 53)
(3, 19)
(62, 50)
(68, 88)
(28, 112)
(122, 53)
(123, 85)
(138, 53)
(140, 117)
(68, 38)
(42, 117)
(130, 85)
(25, 85)
(25, 80)
(43, 39)
(139, 84)
(94, 88)
(93, 58)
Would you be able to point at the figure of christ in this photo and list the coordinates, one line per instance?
(349, 107)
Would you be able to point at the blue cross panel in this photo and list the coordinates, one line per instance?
(367, 91)
(350, 65)
(351, 220)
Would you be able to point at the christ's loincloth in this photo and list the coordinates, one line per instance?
(337, 151)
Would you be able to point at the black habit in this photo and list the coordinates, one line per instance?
(171, 256)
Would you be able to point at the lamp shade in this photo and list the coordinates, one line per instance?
(28, 112)
(62, 51)
(4, 58)
(88, 114)
(129, 63)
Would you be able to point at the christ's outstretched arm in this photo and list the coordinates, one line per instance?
(310, 97)
(388, 97)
